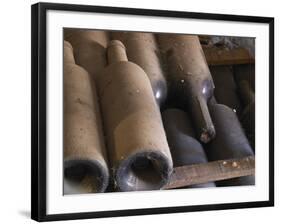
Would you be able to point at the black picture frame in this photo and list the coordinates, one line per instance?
(39, 122)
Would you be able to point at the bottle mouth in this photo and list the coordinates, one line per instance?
(84, 176)
(207, 134)
(143, 171)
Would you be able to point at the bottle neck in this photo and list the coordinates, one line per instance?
(68, 53)
(116, 52)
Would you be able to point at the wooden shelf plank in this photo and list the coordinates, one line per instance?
(212, 171)
(225, 56)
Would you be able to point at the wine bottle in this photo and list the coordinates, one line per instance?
(137, 145)
(89, 48)
(85, 160)
(142, 49)
(244, 75)
(189, 79)
(226, 89)
(230, 142)
(245, 72)
(184, 147)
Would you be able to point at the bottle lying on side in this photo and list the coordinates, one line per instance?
(230, 142)
(137, 145)
(142, 49)
(89, 48)
(244, 75)
(184, 147)
(226, 91)
(245, 72)
(85, 160)
(189, 79)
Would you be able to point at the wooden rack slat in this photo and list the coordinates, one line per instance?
(225, 56)
(211, 171)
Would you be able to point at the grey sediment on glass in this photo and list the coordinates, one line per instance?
(138, 149)
(85, 160)
(89, 48)
(230, 142)
(185, 148)
(226, 91)
(189, 79)
(142, 49)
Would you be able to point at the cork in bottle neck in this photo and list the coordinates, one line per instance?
(116, 52)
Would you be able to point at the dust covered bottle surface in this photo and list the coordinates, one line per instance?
(189, 79)
(85, 160)
(137, 145)
(142, 49)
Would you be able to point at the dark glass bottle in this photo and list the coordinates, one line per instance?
(137, 145)
(85, 160)
(189, 79)
(226, 89)
(184, 147)
(230, 142)
(142, 49)
(245, 76)
(245, 72)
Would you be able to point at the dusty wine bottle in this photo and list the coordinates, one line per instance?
(89, 48)
(184, 147)
(226, 89)
(189, 79)
(230, 142)
(142, 49)
(137, 145)
(85, 163)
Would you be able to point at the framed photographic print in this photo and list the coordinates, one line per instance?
(138, 111)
